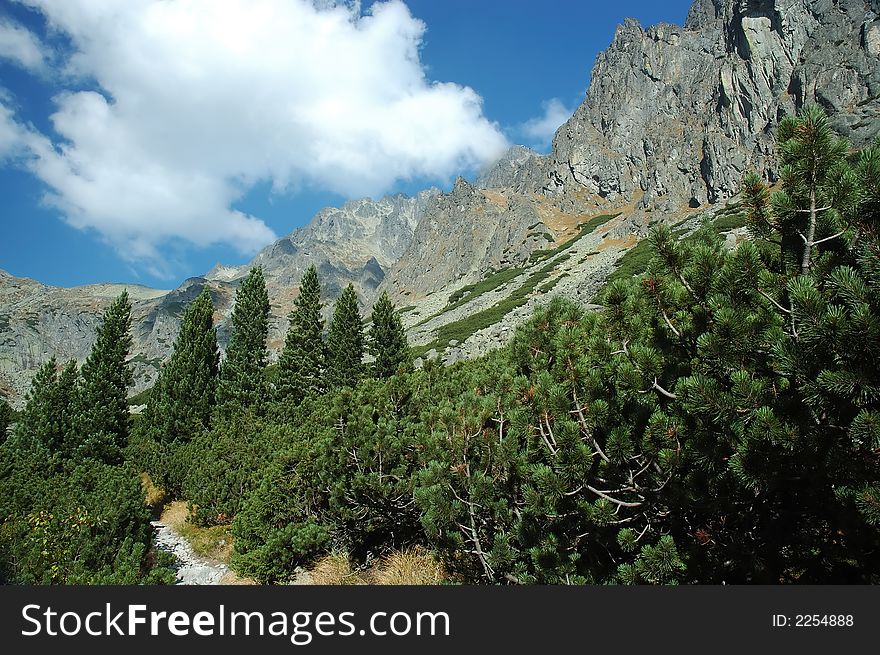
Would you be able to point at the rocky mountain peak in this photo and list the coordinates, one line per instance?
(673, 118)
(677, 115)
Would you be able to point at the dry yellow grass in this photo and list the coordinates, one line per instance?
(175, 515)
(335, 569)
(231, 578)
(410, 567)
(626, 242)
(154, 496)
(214, 543)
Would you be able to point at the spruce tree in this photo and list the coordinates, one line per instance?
(101, 422)
(242, 384)
(181, 402)
(345, 342)
(47, 421)
(40, 417)
(180, 405)
(387, 339)
(302, 361)
(65, 439)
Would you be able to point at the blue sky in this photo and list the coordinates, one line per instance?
(145, 142)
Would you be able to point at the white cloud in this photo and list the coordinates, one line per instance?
(198, 100)
(20, 46)
(542, 128)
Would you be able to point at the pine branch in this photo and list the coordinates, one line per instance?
(663, 391)
(834, 236)
(620, 503)
(807, 211)
(583, 421)
(780, 307)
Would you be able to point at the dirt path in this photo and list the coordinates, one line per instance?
(191, 569)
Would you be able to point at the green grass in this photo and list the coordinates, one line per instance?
(471, 291)
(549, 286)
(490, 283)
(140, 358)
(585, 229)
(729, 218)
(140, 398)
(462, 329)
(404, 310)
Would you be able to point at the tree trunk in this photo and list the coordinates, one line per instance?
(811, 234)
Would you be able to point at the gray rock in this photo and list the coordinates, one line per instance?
(677, 115)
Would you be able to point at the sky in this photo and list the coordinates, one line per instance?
(144, 141)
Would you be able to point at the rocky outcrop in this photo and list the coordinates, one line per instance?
(466, 233)
(678, 114)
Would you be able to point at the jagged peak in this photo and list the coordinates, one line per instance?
(703, 14)
(462, 186)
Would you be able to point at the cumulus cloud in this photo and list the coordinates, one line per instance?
(20, 46)
(196, 101)
(541, 129)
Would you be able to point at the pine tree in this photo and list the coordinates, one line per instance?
(345, 342)
(101, 421)
(387, 341)
(181, 402)
(818, 187)
(242, 384)
(302, 361)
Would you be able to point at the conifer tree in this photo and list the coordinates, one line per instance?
(181, 402)
(180, 405)
(101, 421)
(40, 417)
(64, 439)
(242, 384)
(387, 341)
(5, 418)
(345, 342)
(302, 361)
(818, 188)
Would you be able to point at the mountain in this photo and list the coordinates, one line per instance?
(673, 118)
(356, 243)
(679, 114)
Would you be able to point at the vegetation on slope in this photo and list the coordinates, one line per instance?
(711, 424)
(584, 229)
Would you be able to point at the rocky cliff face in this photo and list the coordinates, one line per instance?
(356, 243)
(678, 114)
(464, 233)
(673, 118)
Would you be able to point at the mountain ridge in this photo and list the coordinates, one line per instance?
(672, 119)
